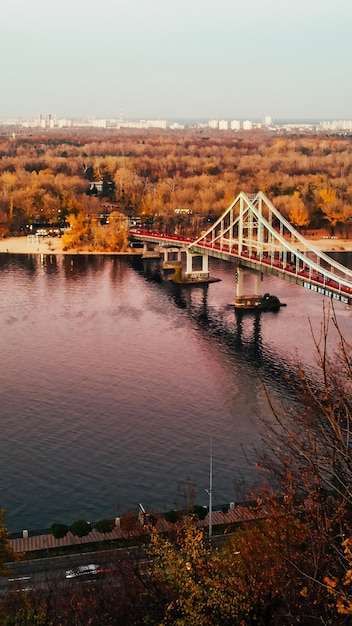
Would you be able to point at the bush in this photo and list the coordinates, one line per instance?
(59, 530)
(105, 526)
(200, 511)
(80, 528)
(172, 516)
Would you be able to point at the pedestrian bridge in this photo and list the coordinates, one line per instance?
(253, 234)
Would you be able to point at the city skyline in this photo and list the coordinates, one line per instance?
(148, 60)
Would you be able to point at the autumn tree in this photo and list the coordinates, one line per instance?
(116, 233)
(346, 216)
(7, 554)
(293, 208)
(331, 207)
(203, 586)
(79, 233)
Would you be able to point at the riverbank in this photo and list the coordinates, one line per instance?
(53, 245)
(47, 245)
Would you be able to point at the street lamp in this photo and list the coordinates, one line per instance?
(210, 490)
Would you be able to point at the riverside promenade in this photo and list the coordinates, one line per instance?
(237, 515)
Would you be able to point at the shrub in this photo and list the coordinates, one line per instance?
(172, 516)
(59, 530)
(105, 526)
(200, 511)
(80, 528)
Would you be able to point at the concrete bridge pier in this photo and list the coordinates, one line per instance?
(167, 251)
(253, 299)
(192, 274)
(171, 263)
(150, 254)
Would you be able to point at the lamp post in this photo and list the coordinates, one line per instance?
(210, 490)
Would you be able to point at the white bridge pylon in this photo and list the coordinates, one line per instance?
(254, 234)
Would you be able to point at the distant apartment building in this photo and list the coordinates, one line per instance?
(235, 125)
(64, 123)
(142, 124)
(247, 125)
(47, 121)
(336, 125)
(268, 120)
(156, 123)
(223, 125)
(213, 124)
(99, 123)
(176, 126)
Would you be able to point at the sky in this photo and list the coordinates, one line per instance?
(185, 59)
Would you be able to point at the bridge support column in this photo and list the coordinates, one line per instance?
(169, 260)
(251, 301)
(196, 275)
(166, 252)
(257, 281)
(150, 254)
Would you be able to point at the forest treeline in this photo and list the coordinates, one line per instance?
(175, 181)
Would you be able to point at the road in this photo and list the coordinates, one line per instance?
(50, 573)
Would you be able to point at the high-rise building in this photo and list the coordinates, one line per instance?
(268, 120)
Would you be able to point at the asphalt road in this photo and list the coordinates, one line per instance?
(50, 573)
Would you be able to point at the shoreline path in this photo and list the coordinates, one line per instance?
(53, 245)
(237, 515)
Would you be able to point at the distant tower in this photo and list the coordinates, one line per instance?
(268, 120)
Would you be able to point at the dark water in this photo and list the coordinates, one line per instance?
(113, 380)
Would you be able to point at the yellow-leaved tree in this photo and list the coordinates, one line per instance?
(86, 232)
(203, 586)
(331, 207)
(116, 232)
(7, 554)
(79, 233)
(340, 589)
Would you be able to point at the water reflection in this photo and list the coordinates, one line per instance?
(236, 332)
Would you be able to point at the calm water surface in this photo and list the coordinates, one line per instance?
(113, 380)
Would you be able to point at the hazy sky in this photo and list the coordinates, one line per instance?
(198, 59)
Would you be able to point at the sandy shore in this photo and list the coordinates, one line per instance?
(53, 245)
(42, 245)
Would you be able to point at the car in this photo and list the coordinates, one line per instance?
(90, 570)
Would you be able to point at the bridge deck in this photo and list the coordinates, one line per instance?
(299, 269)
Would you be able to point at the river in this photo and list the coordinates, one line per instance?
(113, 381)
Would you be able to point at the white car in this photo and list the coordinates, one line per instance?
(84, 570)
